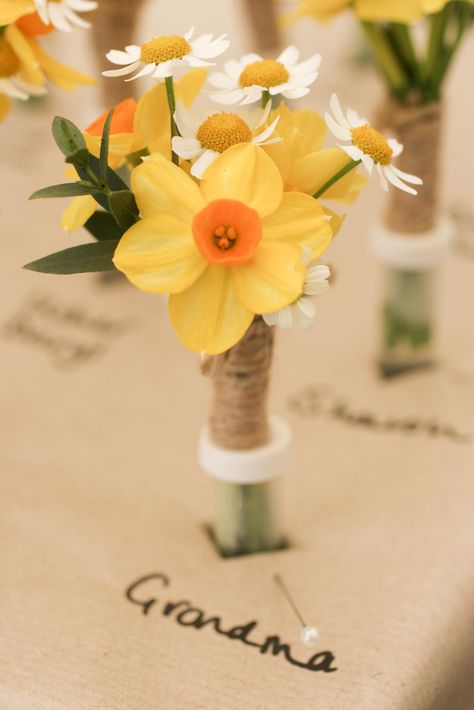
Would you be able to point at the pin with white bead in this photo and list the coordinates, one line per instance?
(310, 634)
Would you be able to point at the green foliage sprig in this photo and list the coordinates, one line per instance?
(118, 211)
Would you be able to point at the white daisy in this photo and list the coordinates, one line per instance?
(160, 55)
(244, 81)
(369, 146)
(204, 139)
(63, 13)
(302, 310)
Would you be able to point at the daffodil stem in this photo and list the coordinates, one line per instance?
(337, 176)
(387, 58)
(172, 106)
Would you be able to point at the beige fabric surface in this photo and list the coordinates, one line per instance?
(101, 409)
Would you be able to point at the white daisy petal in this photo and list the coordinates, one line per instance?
(125, 70)
(336, 129)
(251, 94)
(383, 180)
(337, 112)
(203, 162)
(354, 119)
(147, 69)
(186, 148)
(221, 80)
(289, 56)
(189, 34)
(306, 307)
(406, 176)
(395, 180)
(295, 93)
(267, 132)
(368, 162)
(233, 68)
(117, 57)
(228, 97)
(196, 62)
(308, 66)
(397, 148)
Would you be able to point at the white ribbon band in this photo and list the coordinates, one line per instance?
(250, 465)
(413, 252)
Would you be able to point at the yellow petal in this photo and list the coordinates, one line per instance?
(189, 86)
(299, 220)
(405, 11)
(61, 75)
(30, 70)
(430, 6)
(120, 145)
(245, 173)
(335, 220)
(152, 122)
(309, 132)
(78, 212)
(272, 279)
(5, 106)
(209, 317)
(322, 10)
(315, 169)
(160, 186)
(158, 254)
(12, 10)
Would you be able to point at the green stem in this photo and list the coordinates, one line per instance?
(266, 97)
(403, 44)
(340, 174)
(464, 16)
(172, 106)
(438, 24)
(387, 59)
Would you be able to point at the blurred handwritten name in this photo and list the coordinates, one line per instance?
(70, 333)
(322, 400)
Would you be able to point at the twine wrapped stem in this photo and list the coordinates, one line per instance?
(418, 127)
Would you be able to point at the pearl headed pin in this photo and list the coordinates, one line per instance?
(310, 634)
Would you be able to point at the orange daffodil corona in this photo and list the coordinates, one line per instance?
(25, 67)
(225, 250)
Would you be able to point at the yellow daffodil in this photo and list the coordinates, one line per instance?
(225, 250)
(404, 11)
(304, 165)
(135, 127)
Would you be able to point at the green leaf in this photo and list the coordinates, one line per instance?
(124, 208)
(136, 157)
(68, 137)
(96, 256)
(114, 181)
(80, 158)
(66, 189)
(103, 226)
(104, 149)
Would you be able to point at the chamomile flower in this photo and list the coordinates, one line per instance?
(202, 139)
(63, 13)
(159, 56)
(302, 310)
(369, 146)
(244, 81)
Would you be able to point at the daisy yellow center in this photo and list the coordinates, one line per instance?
(372, 143)
(264, 72)
(221, 130)
(227, 232)
(162, 49)
(9, 62)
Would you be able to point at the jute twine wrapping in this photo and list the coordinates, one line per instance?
(263, 19)
(418, 127)
(241, 378)
(113, 27)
